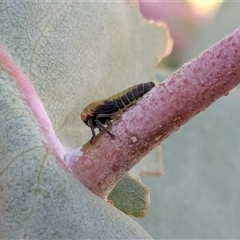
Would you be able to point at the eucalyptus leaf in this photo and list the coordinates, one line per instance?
(131, 196)
(74, 53)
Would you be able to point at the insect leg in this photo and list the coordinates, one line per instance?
(101, 126)
(92, 129)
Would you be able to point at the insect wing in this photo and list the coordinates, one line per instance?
(107, 107)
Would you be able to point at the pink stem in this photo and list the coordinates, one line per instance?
(168, 106)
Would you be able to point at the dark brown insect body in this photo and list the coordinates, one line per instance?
(100, 113)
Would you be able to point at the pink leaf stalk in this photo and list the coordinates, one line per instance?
(34, 103)
(162, 111)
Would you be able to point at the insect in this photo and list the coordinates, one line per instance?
(102, 112)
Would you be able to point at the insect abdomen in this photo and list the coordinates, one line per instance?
(128, 97)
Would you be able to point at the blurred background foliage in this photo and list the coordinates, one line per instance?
(198, 197)
(187, 22)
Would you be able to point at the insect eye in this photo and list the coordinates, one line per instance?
(84, 116)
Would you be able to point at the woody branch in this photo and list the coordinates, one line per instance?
(162, 111)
